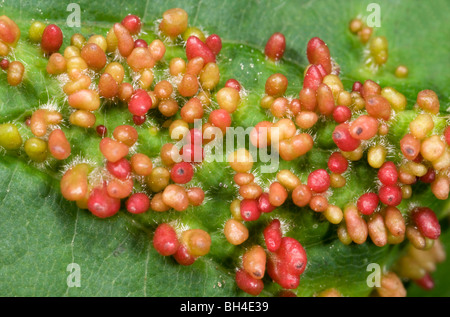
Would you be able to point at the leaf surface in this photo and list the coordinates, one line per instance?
(41, 233)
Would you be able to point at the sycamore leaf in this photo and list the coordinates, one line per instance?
(41, 233)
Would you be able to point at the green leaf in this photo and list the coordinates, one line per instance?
(41, 233)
